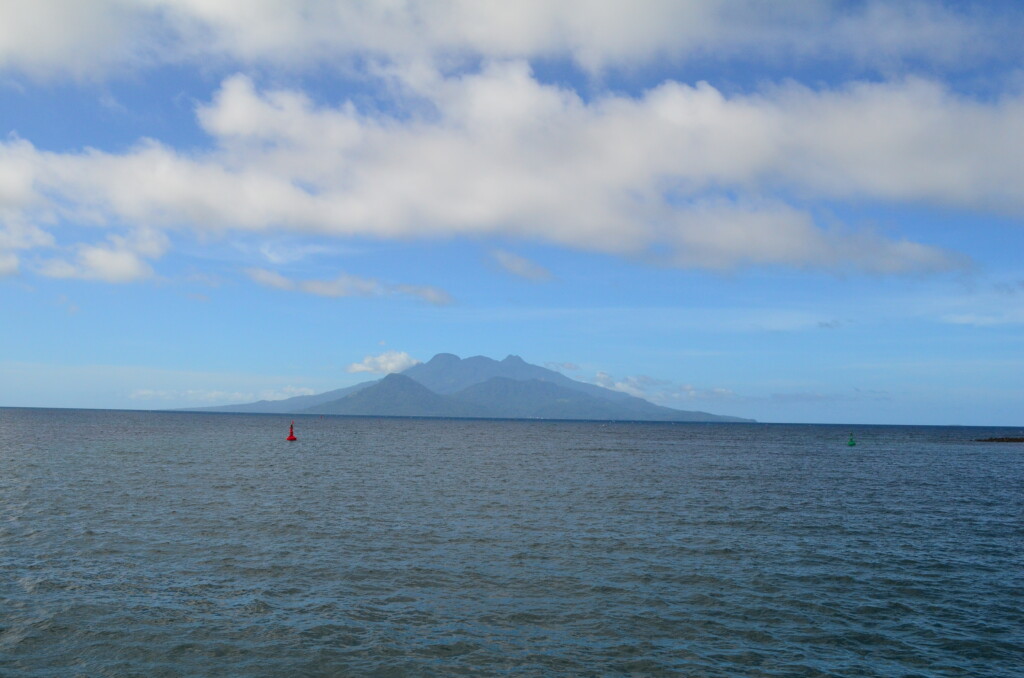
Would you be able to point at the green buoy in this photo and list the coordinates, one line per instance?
(851, 442)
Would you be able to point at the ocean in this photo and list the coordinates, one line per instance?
(178, 544)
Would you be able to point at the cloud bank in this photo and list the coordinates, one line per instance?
(684, 175)
(682, 170)
(67, 38)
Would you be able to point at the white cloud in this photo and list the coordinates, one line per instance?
(722, 234)
(387, 362)
(16, 235)
(521, 266)
(349, 286)
(18, 160)
(504, 154)
(8, 264)
(66, 37)
(121, 260)
(625, 386)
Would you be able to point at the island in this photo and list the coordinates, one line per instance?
(478, 387)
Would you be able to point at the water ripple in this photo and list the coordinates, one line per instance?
(163, 544)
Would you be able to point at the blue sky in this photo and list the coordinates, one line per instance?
(808, 212)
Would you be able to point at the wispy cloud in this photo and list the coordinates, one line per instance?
(563, 367)
(688, 396)
(661, 391)
(69, 306)
(217, 396)
(15, 235)
(270, 279)
(815, 397)
(1012, 316)
(1000, 303)
(349, 286)
(280, 252)
(112, 385)
(521, 266)
(684, 318)
(121, 259)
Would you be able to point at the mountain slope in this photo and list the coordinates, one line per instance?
(287, 405)
(545, 400)
(536, 399)
(398, 396)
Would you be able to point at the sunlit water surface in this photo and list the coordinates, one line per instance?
(172, 544)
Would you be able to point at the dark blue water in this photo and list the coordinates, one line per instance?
(169, 544)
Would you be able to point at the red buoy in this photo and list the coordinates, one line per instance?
(291, 432)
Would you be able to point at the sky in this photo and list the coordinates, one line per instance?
(794, 212)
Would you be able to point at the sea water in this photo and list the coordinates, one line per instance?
(174, 544)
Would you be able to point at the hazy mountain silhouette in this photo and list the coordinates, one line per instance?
(448, 386)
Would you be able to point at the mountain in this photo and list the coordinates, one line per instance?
(448, 386)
